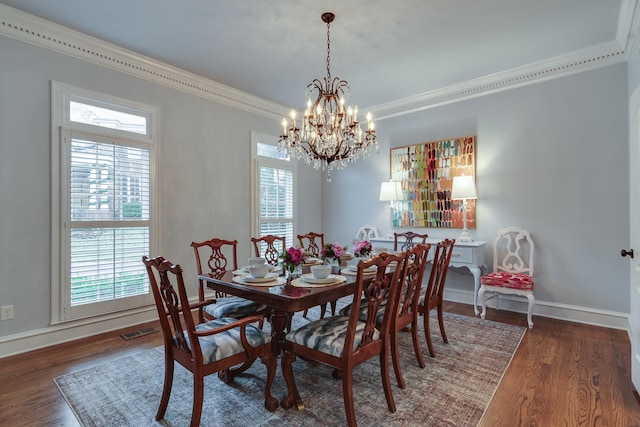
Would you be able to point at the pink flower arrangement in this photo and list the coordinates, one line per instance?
(362, 248)
(333, 250)
(292, 257)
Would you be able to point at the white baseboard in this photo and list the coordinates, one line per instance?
(589, 316)
(58, 334)
(70, 331)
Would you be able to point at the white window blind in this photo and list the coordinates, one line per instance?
(109, 220)
(274, 182)
(276, 202)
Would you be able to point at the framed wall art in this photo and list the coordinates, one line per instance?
(426, 173)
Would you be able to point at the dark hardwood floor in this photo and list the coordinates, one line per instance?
(563, 374)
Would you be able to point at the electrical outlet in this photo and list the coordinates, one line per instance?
(6, 312)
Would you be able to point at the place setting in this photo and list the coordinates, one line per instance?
(352, 268)
(259, 275)
(245, 270)
(320, 276)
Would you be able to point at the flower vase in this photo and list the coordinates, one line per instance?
(296, 273)
(334, 263)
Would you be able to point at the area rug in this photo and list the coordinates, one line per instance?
(453, 390)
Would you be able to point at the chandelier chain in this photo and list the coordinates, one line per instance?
(328, 51)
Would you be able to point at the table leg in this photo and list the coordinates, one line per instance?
(278, 320)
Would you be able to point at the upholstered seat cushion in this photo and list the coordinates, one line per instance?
(327, 335)
(232, 306)
(508, 280)
(218, 346)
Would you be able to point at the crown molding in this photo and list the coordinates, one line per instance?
(577, 62)
(31, 29)
(628, 25)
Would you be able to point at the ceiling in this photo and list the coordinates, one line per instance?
(386, 50)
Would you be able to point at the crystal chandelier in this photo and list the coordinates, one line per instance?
(330, 134)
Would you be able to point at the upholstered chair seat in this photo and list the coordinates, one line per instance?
(222, 345)
(232, 306)
(328, 335)
(509, 280)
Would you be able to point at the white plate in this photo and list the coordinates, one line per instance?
(371, 269)
(270, 280)
(331, 278)
(302, 281)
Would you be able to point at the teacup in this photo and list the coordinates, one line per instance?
(320, 271)
(257, 260)
(259, 271)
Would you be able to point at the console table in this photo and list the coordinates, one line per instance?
(469, 255)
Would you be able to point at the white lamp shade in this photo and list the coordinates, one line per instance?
(390, 191)
(463, 188)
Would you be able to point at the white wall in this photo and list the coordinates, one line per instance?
(204, 175)
(551, 158)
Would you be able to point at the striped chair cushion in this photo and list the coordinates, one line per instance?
(233, 307)
(218, 346)
(327, 335)
(508, 280)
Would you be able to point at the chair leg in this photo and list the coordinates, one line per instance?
(427, 332)
(293, 397)
(270, 402)
(198, 396)
(482, 302)
(347, 396)
(416, 341)
(441, 323)
(395, 358)
(166, 389)
(386, 379)
(323, 310)
(532, 302)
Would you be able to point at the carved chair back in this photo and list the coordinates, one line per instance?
(408, 240)
(270, 247)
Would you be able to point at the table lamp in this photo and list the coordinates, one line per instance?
(391, 191)
(464, 188)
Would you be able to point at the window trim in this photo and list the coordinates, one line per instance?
(61, 126)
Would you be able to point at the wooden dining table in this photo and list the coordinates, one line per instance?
(283, 300)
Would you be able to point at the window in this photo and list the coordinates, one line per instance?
(104, 179)
(274, 178)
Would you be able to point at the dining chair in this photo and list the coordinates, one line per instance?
(312, 243)
(215, 256)
(344, 342)
(408, 242)
(408, 309)
(435, 290)
(270, 247)
(512, 269)
(367, 232)
(204, 348)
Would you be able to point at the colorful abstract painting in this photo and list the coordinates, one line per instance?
(426, 173)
